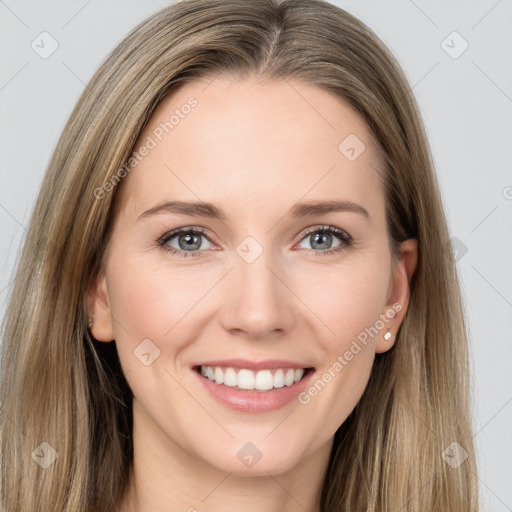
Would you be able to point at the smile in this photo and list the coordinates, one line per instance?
(253, 387)
(245, 379)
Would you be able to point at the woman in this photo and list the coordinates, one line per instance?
(177, 339)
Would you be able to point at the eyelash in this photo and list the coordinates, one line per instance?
(345, 238)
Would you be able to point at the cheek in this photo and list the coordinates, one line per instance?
(349, 306)
(350, 311)
(156, 303)
(347, 300)
(152, 300)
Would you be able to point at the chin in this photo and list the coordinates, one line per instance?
(257, 459)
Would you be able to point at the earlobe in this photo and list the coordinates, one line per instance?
(101, 325)
(399, 295)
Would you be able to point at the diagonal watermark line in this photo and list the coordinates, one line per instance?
(13, 13)
(484, 218)
(492, 81)
(165, 165)
(12, 217)
(15, 424)
(486, 14)
(491, 490)
(211, 82)
(407, 503)
(76, 14)
(302, 301)
(198, 402)
(104, 105)
(115, 320)
(494, 288)
(73, 73)
(198, 301)
(216, 487)
(424, 14)
(414, 414)
(279, 423)
(5, 287)
(18, 270)
(284, 78)
(503, 407)
(11, 281)
(285, 490)
(304, 195)
(14, 76)
(424, 76)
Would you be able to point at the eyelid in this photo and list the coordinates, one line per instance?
(340, 233)
(346, 239)
(186, 229)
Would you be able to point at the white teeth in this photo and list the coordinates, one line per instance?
(219, 376)
(289, 377)
(230, 377)
(279, 379)
(246, 379)
(262, 380)
(298, 374)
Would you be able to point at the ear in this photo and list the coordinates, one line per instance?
(398, 293)
(98, 309)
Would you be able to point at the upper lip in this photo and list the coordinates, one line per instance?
(267, 364)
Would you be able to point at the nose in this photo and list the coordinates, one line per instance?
(257, 303)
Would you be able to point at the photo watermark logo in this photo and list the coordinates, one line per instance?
(151, 142)
(343, 360)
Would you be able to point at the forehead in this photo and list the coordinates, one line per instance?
(240, 140)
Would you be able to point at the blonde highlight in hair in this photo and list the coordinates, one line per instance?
(60, 386)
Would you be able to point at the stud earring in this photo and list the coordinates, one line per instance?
(90, 323)
(387, 336)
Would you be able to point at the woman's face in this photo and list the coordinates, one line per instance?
(287, 267)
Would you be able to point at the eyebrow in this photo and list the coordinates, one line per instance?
(202, 209)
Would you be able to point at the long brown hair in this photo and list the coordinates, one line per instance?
(61, 387)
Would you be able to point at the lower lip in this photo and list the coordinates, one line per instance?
(255, 401)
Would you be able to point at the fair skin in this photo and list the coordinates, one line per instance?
(254, 150)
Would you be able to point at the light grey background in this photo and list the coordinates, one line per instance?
(466, 103)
